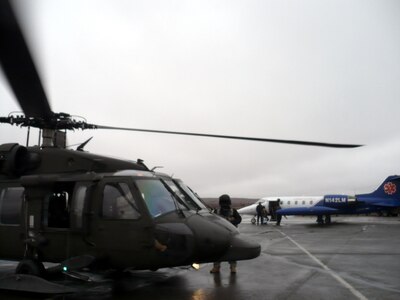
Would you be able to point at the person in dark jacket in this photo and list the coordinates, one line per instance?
(232, 216)
(259, 210)
(278, 216)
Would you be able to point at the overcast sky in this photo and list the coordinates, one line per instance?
(313, 70)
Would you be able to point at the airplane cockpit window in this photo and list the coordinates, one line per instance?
(118, 202)
(10, 205)
(158, 199)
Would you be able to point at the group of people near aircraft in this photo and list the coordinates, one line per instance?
(262, 213)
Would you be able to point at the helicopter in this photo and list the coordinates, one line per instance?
(82, 210)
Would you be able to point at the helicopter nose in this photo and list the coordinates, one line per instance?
(216, 239)
(241, 248)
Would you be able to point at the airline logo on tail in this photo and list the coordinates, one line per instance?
(390, 188)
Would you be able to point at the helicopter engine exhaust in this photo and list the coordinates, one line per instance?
(16, 159)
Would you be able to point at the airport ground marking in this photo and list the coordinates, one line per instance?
(325, 267)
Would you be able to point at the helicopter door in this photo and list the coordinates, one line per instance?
(11, 200)
(62, 220)
(122, 229)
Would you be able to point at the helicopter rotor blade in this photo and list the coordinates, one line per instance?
(294, 142)
(19, 67)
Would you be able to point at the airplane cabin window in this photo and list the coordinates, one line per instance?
(288, 203)
(311, 202)
(118, 202)
(10, 205)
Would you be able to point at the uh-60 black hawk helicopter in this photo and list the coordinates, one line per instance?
(80, 210)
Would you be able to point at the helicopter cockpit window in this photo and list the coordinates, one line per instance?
(192, 194)
(118, 202)
(10, 205)
(184, 197)
(158, 199)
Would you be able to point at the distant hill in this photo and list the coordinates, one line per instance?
(236, 202)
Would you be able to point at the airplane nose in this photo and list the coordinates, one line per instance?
(241, 248)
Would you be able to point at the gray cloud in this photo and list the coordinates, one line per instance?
(310, 70)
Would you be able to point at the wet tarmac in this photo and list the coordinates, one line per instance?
(353, 258)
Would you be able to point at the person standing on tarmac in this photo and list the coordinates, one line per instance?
(232, 216)
(278, 216)
(259, 210)
(265, 215)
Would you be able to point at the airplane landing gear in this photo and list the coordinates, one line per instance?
(321, 220)
(327, 219)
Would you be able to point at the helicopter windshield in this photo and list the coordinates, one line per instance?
(158, 199)
(182, 195)
(191, 194)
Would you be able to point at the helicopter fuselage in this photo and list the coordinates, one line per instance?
(56, 204)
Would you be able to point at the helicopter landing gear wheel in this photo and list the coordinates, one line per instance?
(30, 267)
(253, 220)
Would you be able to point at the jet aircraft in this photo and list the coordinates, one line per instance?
(386, 198)
(270, 203)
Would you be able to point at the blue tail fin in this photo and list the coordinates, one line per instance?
(390, 188)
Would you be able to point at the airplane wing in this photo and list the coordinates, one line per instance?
(307, 211)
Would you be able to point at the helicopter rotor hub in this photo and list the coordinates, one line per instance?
(58, 121)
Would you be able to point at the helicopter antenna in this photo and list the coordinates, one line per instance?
(81, 146)
(27, 137)
(156, 167)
